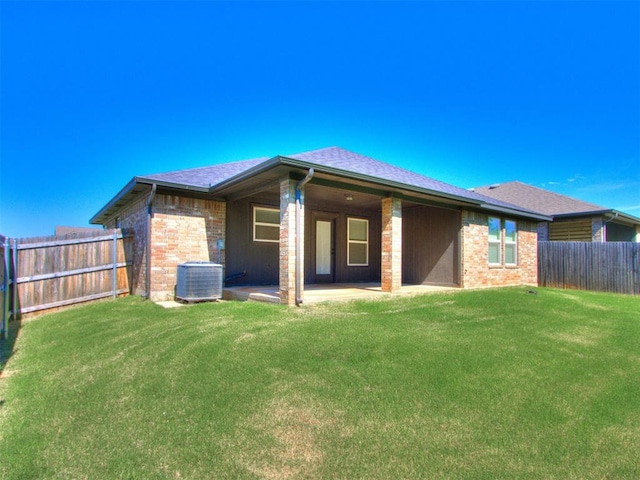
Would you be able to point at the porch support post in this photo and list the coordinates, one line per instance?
(288, 241)
(391, 280)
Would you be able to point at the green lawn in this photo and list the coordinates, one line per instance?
(474, 384)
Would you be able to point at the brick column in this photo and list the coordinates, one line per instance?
(391, 280)
(288, 242)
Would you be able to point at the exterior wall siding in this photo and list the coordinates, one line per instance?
(248, 261)
(430, 246)
(183, 229)
(476, 271)
(543, 231)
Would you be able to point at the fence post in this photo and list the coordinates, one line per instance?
(115, 263)
(15, 310)
(6, 289)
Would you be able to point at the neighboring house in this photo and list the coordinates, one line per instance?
(573, 220)
(328, 215)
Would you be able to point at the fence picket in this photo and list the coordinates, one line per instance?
(605, 267)
(49, 272)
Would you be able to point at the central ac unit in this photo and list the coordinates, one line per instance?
(199, 281)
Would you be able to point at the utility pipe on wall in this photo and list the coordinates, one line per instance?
(300, 234)
(149, 212)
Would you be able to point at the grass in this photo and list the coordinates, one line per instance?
(478, 384)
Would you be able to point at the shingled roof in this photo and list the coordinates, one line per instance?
(350, 162)
(538, 199)
(215, 180)
(206, 177)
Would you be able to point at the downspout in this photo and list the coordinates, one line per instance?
(149, 256)
(300, 233)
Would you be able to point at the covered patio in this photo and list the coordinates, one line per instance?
(317, 293)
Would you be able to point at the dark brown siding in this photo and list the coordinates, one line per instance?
(343, 272)
(430, 246)
(620, 233)
(258, 259)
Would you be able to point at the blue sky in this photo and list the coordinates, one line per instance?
(468, 92)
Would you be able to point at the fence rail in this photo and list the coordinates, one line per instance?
(603, 267)
(44, 273)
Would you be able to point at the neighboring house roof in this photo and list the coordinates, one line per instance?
(547, 202)
(333, 162)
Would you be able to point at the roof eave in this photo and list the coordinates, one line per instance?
(103, 215)
(582, 214)
(375, 180)
(119, 196)
(519, 213)
(618, 215)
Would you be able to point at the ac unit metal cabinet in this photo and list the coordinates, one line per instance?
(198, 281)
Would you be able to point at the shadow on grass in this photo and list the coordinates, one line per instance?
(7, 346)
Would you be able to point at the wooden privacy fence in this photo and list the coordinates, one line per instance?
(603, 267)
(45, 273)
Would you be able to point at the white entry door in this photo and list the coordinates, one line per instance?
(323, 247)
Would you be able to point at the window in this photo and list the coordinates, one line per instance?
(357, 242)
(498, 230)
(494, 240)
(510, 242)
(266, 224)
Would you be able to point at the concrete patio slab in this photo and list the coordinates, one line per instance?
(329, 292)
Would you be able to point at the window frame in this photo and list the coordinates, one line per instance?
(497, 242)
(256, 224)
(357, 242)
(507, 241)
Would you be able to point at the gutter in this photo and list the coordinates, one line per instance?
(617, 215)
(299, 235)
(149, 256)
(518, 213)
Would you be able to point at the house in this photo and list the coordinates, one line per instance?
(327, 215)
(573, 220)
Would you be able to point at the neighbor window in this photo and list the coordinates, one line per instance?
(357, 242)
(510, 242)
(494, 240)
(266, 224)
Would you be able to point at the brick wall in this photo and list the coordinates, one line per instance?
(476, 271)
(288, 242)
(183, 229)
(134, 217)
(391, 261)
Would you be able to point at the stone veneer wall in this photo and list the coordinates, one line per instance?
(183, 229)
(134, 217)
(597, 229)
(476, 271)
